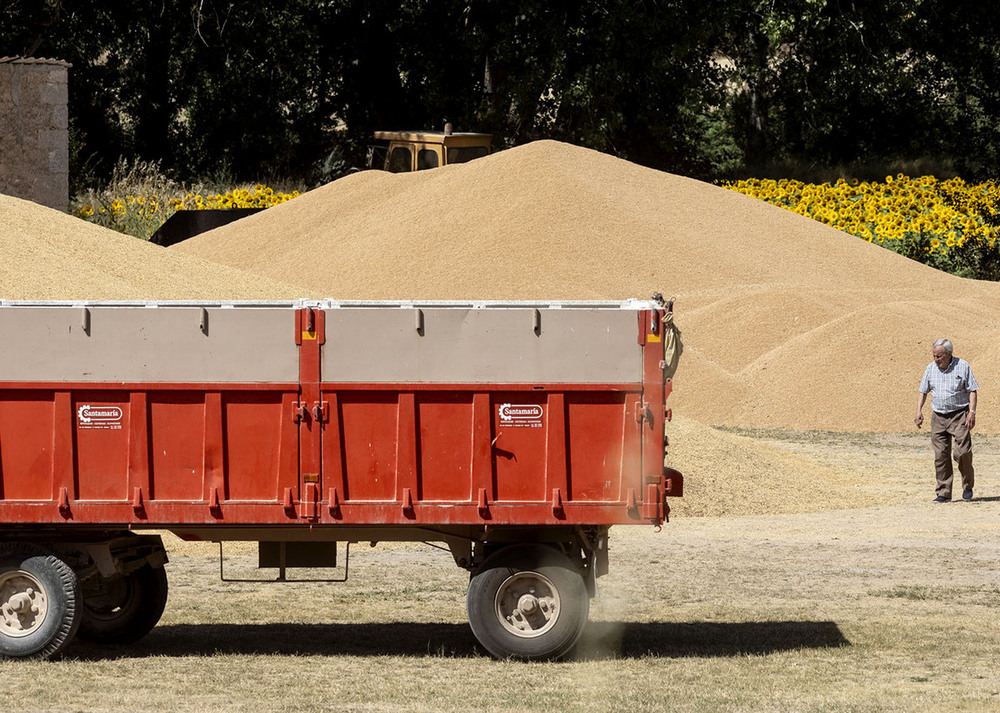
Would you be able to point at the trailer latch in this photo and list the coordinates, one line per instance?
(643, 413)
(64, 509)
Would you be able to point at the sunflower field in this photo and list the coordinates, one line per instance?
(141, 215)
(139, 199)
(948, 224)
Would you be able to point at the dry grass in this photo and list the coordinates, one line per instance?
(891, 607)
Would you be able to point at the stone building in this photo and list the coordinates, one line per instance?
(34, 130)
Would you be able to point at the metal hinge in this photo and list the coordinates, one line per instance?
(643, 413)
(320, 412)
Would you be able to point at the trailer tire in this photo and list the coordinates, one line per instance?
(528, 602)
(125, 609)
(39, 602)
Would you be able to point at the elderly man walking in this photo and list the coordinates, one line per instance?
(953, 391)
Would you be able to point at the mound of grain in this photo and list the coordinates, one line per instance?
(48, 255)
(730, 475)
(786, 323)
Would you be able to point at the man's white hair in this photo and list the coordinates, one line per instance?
(944, 343)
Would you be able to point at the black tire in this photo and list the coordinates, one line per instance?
(125, 609)
(39, 602)
(528, 602)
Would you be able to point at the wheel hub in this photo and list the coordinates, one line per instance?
(527, 604)
(22, 604)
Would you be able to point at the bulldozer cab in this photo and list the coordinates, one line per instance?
(419, 150)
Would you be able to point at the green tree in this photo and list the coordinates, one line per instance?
(270, 89)
(634, 79)
(851, 83)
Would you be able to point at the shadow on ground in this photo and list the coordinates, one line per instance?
(706, 639)
(601, 640)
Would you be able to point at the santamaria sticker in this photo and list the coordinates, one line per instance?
(104, 417)
(521, 415)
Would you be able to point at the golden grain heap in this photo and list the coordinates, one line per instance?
(48, 255)
(786, 323)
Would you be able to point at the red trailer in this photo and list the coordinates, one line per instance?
(514, 433)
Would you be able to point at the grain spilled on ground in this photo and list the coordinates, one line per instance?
(786, 323)
(731, 475)
(48, 255)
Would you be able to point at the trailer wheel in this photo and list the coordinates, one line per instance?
(528, 602)
(124, 609)
(39, 602)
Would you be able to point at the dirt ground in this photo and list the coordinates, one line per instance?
(887, 607)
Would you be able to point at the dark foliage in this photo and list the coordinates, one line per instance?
(293, 89)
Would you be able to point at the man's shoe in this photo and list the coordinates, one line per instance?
(967, 495)
(942, 499)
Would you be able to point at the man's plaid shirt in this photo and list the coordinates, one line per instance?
(950, 388)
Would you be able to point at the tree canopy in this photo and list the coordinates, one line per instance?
(716, 88)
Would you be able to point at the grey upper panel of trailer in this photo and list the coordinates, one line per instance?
(246, 342)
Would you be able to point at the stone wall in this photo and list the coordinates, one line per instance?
(34, 130)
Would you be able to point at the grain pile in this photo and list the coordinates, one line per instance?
(48, 255)
(786, 323)
(731, 475)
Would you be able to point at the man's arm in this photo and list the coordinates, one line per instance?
(970, 419)
(920, 409)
